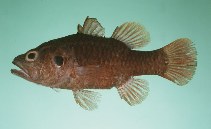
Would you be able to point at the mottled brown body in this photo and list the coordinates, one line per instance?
(101, 63)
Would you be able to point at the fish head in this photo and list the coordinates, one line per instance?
(46, 65)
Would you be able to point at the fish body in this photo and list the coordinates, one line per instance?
(88, 60)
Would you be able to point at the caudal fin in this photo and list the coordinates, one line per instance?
(181, 61)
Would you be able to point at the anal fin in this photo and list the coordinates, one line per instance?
(87, 99)
(134, 91)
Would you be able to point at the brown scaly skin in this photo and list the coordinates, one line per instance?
(89, 63)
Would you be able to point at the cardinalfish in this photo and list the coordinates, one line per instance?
(88, 60)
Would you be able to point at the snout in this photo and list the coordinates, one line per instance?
(18, 59)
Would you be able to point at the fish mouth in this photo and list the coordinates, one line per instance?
(22, 72)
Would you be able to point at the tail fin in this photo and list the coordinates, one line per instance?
(181, 61)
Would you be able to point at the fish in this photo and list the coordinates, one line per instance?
(88, 60)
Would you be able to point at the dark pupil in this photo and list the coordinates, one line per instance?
(58, 60)
(31, 56)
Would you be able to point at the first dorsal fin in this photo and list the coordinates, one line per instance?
(132, 34)
(91, 27)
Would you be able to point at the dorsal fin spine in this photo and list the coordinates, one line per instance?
(95, 27)
(91, 27)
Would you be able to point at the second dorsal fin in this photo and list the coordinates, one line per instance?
(132, 34)
(91, 27)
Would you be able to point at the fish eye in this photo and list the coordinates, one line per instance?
(59, 60)
(31, 56)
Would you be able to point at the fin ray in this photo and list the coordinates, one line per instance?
(86, 99)
(134, 91)
(129, 35)
(132, 34)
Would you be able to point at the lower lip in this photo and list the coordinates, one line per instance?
(19, 73)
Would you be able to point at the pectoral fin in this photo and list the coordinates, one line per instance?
(86, 99)
(134, 91)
